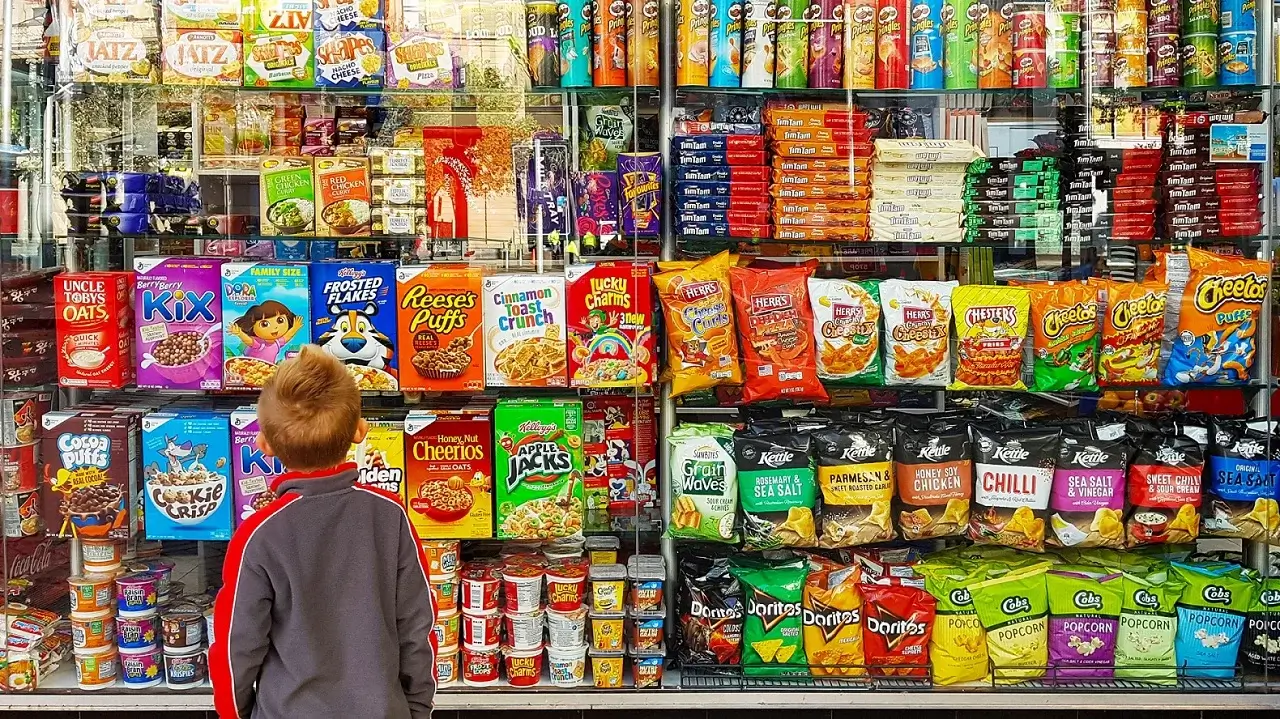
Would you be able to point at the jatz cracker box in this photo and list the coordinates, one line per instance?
(203, 57)
(252, 471)
(449, 462)
(186, 470)
(126, 51)
(94, 329)
(279, 59)
(618, 443)
(278, 15)
(610, 312)
(350, 58)
(342, 187)
(206, 14)
(178, 314)
(266, 319)
(524, 331)
(287, 196)
(348, 14)
(354, 307)
(441, 342)
(380, 457)
(538, 467)
(90, 474)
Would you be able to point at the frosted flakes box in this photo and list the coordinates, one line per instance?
(449, 485)
(203, 57)
(380, 457)
(348, 14)
(278, 15)
(252, 471)
(419, 59)
(354, 310)
(524, 331)
(207, 14)
(610, 310)
(349, 58)
(187, 475)
(116, 52)
(266, 319)
(279, 59)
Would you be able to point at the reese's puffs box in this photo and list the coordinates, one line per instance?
(610, 324)
(439, 340)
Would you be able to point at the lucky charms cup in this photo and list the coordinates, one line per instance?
(524, 631)
(566, 584)
(524, 666)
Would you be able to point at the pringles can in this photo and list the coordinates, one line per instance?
(1164, 17)
(960, 45)
(1164, 62)
(1199, 60)
(609, 43)
(642, 42)
(758, 34)
(1102, 60)
(926, 45)
(1238, 16)
(1030, 45)
(1200, 17)
(860, 44)
(1063, 37)
(726, 36)
(542, 23)
(693, 44)
(826, 44)
(892, 52)
(1131, 45)
(1238, 57)
(1064, 68)
(791, 64)
(575, 43)
(995, 45)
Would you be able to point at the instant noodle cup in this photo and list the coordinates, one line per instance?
(447, 660)
(479, 589)
(97, 668)
(1216, 338)
(93, 630)
(566, 585)
(702, 346)
(568, 665)
(524, 631)
(138, 632)
(522, 587)
(646, 670)
(606, 669)
(92, 592)
(481, 631)
(567, 629)
(136, 592)
(775, 325)
(480, 666)
(524, 666)
(444, 592)
(991, 323)
(101, 556)
(1014, 611)
(447, 627)
(442, 557)
(608, 587)
(141, 668)
(1132, 329)
(607, 631)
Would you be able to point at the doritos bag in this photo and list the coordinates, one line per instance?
(1064, 328)
(1242, 488)
(935, 479)
(1086, 504)
(1261, 646)
(1164, 490)
(991, 324)
(1084, 611)
(1211, 618)
(711, 609)
(778, 489)
(702, 349)
(772, 643)
(958, 646)
(833, 620)
(1013, 473)
(856, 478)
(899, 621)
(846, 324)
(917, 322)
(1131, 333)
(776, 326)
(1218, 317)
(1148, 626)
(1014, 610)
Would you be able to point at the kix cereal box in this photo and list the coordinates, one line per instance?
(186, 474)
(353, 304)
(252, 471)
(538, 467)
(94, 329)
(178, 314)
(279, 59)
(380, 457)
(449, 481)
(610, 325)
(266, 319)
(441, 344)
(203, 57)
(90, 478)
(348, 14)
(524, 331)
(349, 58)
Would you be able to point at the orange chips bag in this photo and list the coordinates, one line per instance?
(702, 350)
(1216, 339)
(1131, 332)
(832, 610)
(1064, 328)
(776, 324)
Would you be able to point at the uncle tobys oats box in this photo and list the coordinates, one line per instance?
(449, 479)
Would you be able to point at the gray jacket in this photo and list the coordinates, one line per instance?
(325, 609)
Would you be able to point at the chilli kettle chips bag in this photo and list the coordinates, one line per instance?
(958, 647)
(1013, 473)
(1014, 610)
(711, 609)
(1086, 503)
(917, 320)
(856, 478)
(776, 326)
(1242, 490)
(704, 483)
(899, 620)
(1164, 490)
(1216, 336)
(1211, 618)
(1064, 328)
(846, 325)
(1148, 626)
(772, 642)
(935, 479)
(1131, 333)
(702, 349)
(833, 619)
(991, 324)
(1084, 610)
(777, 487)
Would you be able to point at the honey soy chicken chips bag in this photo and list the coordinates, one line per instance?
(846, 324)
(832, 611)
(991, 325)
(935, 479)
(1216, 336)
(917, 320)
(856, 478)
(1064, 328)
(1132, 329)
(776, 327)
(702, 348)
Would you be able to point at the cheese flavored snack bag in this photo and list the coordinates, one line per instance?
(991, 324)
(917, 318)
(1211, 618)
(898, 622)
(1064, 328)
(772, 643)
(702, 350)
(846, 323)
(833, 619)
(776, 326)
(1131, 331)
(958, 647)
(1014, 610)
(1215, 341)
(1148, 627)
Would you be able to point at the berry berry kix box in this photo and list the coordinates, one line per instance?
(449, 486)
(186, 473)
(252, 472)
(90, 475)
(178, 316)
(441, 328)
(353, 313)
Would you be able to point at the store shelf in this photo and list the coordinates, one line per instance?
(593, 94)
(1037, 92)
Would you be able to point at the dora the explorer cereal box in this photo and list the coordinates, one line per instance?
(449, 486)
(538, 470)
(354, 307)
(266, 319)
(90, 474)
(524, 331)
(380, 457)
(440, 334)
(610, 325)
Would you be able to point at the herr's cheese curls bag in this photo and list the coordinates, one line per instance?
(991, 325)
(833, 619)
(702, 348)
(1211, 618)
(1064, 328)
(917, 323)
(776, 326)
(1132, 329)
(958, 646)
(1148, 626)
(846, 322)
(1084, 611)
(1014, 610)
(1216, 337)
(1241, 494)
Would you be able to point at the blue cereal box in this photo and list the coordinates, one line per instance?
(351, 58)
(186, 472)
(354, 306)
(266, 319)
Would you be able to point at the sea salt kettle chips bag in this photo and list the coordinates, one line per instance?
(917, 322)
(775, 324)
(991, 325)
(1014, 611)
(777, 487)
(833, 619)
(1132, 329)
(1216, 337)
(1013, 474)
(958, 646)
(1148, 626)
(1064, 329)
(846, 325)
(856, 478)
(1242, 489)
(702, 345)
(1211, 618)
(772, 639)
(1084, 610)
(704, 483)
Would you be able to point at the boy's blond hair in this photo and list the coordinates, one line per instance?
(309, 411)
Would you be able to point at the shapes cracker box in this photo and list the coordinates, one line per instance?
(610, 313)
(350, 58)
(449, 486)
(538, 468)
(90, 475)
(441, 328)
(348, 14)
(279, 59)
(178, 315)
(186, 471)
(266, 311)
(94, 329)
(354, 307)
(252, 472)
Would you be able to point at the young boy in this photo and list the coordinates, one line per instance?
(325, 609)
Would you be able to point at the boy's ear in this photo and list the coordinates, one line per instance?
(362, 429)
(261, 442)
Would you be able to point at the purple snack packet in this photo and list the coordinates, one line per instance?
(1084, 615)
(179, 323)
(596, 207)
(1089, 477)
(640, 193)
(252, 471)
(826, 44)
(546, 186)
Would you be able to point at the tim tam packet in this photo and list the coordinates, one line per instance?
(833, 619)
(1086, 503)
(1242, 487)
(1013, 472)
(778, 489)
(1164, 490)
(704, 483)
(935, 479)
(772, 642)
(1211, 618)
(1014, 610)
(1261, 646)
(958, 645)
(1148, 627)
(899, 620)
(856, 478)
(711, 609)
(1084, 611)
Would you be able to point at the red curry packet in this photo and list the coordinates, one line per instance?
(610, 318)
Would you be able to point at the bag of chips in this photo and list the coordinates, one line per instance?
(856, 478)
(1131, 333)
(1014, 611)
(711, 609)
(1086, 503)
(1242, 488)
(1261, 646)
(1164, 490)
(833, 620)
(1084, 610)
(1148, 626)
(1216, 337)
(898, 625)
(935, 479)
(776, 326)
(991, 324)
(772, 640)
(1211, 618)
(1064, 328)
(958, 646)
(846, 325)
(702, 349)
(778, 489)
(1013, 473)
(917, 320)
(704, 483)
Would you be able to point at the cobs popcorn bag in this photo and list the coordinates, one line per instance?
(1164, 489)
(1014, 610)
(898, 621)
(1013, 475)
(710, 610)
(935, 478)
(1215, 340)
(1148, 626)
(1131, 332)
(917, 322)
(1241, 492)
(1086, 502)
(772, 639)
(704, 483)
(1084, 611)
(958, 645)
(832, 612)
(1064, 328)
(1261, 647)
(1211, 618)
(702, 345)
(777, 486)
(846, 325)
(856, 478)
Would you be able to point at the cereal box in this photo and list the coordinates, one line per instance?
(618, 443)
(90, 475)
(207, 14)
(179, 319)
(524, 331)
(440, 328)
(380, 457)
(349, 58)
(203, 57)
(252, 471)
(279, 59)
(186, 474)
(538, 467)
(418, 59)
(449, 457)
(348, 14)
(266, 314)
(278, 15)
(353, 304)
(343, 187)
(94, 329)
(115, 52)
(610, 310)
(287, 196)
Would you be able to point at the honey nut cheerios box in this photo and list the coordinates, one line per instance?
(441, 340)
(186, 474)
(524, 331)
(538, 467)
(353, 305)
(449, 479)
(610, 314)
(380, 457)
(266, 319)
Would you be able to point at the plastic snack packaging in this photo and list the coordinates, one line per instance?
(1164, 490)
(1148, 627)
(856, 478)
(1215, 340)
(772, 643)
(1241, 492)
(1131, 333)
(847, 329)
(1064, 328)
(778, 488)
(898, 623)
(704, 483)
(710, 608)
(1013, 473)
(1261, 647)
(1086, 503)
(776, 326)
(935, 479)
(1084, 611)
(702, 348)
(958, 645)
(832, 619)
(991, 324)
(917, 320)
(1211, 618)
(1014, 609)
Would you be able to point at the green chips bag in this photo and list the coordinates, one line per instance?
(704, 483)
(772, 630)
(1014, 609)
(958, 645)
(778, 488)
(1065, 336)
(1148, 626)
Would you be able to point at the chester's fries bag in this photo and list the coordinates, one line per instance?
(772, 641)
(846, 323)
(917, 320)
(702, 349)
(1164, 490)
(1242, 492)
(898, 624)
(1064, 329)
(833, 620)
(1261, 647)
(1013, 474)
(710, 608)
(1211, 618)
(1216, 337)
(856, 478)
(704, 483)
(935, 479)
(776, 325)
(1086, 503)
(1148, 626)
(1014, 610)
(958, 646)
(991, 324)
(777, 487)
(1131, 332)
(1084, 612)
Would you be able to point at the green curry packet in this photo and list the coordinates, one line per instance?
(772, 629)
(1014, 610)
(704, 483)
(958, 644)
(1211, 618)
(1148, 626)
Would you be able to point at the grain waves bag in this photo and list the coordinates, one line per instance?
(772, 639)
(856, 478)
(833, 619)
(899, 621)
(1084, 611)
(935, 479)
(778, 489)
(1164, 490)
(958, 646)
(776, 327)
(846, 325)
(704, 483)
(1014, 611)
(917, 322)
(711, 610)
(1013, 473)
(1211, 618)
(1086, 503)
(1148, 627)
(1242, 488)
